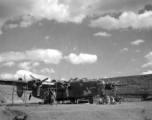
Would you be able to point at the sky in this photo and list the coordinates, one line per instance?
(75, 38)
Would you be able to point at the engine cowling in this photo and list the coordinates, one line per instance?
(19, 89)
(110, 86)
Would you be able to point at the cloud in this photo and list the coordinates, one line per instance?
(35, 64)
(125, 20)
(11, 26)
(137, 42)
(25, 65)
(149, 59)
(47, 37)
(8, 64)
(81, 59)
(102, 34)
(107, 6)
(46, 55)
(21, 74)
(47, 70)
(124, 49)
(30, 11)
(6, 76)
(11, 56)
(137, 51)
(26, 73)
(148, 7)
(148, 72)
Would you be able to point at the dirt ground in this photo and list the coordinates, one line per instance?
(125, 111)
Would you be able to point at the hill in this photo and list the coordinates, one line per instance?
(139, 85)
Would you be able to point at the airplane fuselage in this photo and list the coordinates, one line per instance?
(78, 89)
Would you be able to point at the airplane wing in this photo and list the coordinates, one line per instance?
(13, 82)
(52, 86)
(48, 85)
(125, 84)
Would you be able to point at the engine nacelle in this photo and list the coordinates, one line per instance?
(110, 86)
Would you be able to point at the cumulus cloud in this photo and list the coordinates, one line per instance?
(81, 59)
(149, 59)
(45, 55)
(26, 73)
(11, 26)
(25, 65)
(8, 64)
(125, 20)
(21, 74)
(48, 56)
(137, 50)
(47, 37)
(102, 34)
(124, 49)
(11, 56)
(148, 72)
(137, 42)
(107, 6)
(30, 11)
(28, 65)
(7, 76)
(47, 70)
(35, 64)
(148, 7)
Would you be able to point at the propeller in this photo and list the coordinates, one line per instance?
(113, 85)
(66, 85)
(33, 77)
(38, 84)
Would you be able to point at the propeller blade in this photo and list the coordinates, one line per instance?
(122, 84)
(70, 80)
(117, 82)
(108, 80)
(67, 92)
(45, 80)
(30, 96)
(115, 90)
(38, 90)
(32, 77)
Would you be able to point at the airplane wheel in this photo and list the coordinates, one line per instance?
(91, 100)
(46, 101)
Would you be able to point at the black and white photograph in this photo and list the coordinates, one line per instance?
(75, 59)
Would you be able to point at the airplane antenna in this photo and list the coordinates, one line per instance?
(24, 77)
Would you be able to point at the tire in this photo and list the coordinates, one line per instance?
(91, 100)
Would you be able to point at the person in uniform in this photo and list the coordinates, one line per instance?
(112, 100)
(100, 100)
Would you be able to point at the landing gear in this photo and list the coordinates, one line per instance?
(74, 101)
(91, 100)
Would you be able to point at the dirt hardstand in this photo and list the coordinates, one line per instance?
(124, 111)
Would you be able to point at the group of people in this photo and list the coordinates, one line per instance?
(50, 97)
(105, 99)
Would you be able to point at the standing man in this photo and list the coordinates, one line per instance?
(101, 88)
